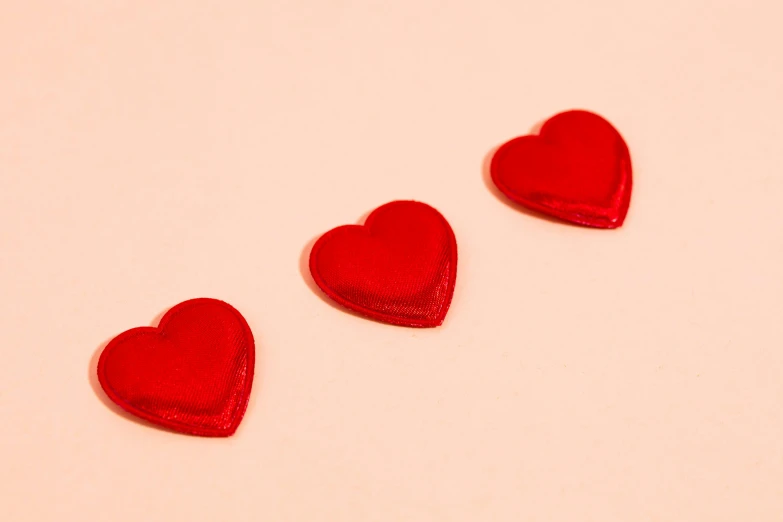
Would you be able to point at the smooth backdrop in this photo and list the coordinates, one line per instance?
(152, 152)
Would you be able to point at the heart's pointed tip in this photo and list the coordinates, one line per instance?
(212, 434)
(430, 323)
(603, 224)
(418, 324)
(616, 224)
(610, 226)
(433, 324)
(223, 434)
(616, 221)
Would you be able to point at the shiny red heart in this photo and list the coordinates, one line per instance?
(577, 169)
(191, 374)
(399, 268)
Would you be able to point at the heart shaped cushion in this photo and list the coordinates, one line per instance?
(192, 374)
(577, 169)
(399, 268)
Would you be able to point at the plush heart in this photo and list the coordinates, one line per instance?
(191, 374)
(577, 169)
(399, 268)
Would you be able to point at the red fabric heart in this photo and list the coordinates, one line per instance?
(577, 169)
(399, 268)
(191, 374)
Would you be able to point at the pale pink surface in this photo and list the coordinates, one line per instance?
(152, 152)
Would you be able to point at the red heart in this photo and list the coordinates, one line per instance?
(191, 374)
(577, 169)
(399, 268)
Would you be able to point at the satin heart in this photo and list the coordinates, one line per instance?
(399, 268)
(577, 169)
(191, 374)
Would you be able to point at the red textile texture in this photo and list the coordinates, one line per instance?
(192, 374)
(399, 268)
(577, 169)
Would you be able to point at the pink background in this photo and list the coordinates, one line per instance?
(152, 152)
